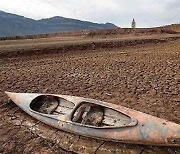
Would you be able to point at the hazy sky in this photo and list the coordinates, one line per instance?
(147, 13)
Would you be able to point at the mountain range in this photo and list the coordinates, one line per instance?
(15, 25)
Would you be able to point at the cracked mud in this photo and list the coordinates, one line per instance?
(143, 77)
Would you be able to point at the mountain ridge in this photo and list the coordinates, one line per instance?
(15, 25)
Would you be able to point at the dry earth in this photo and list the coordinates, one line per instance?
(142, 75)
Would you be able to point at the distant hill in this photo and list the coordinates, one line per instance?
(173, 27)
(13, 25)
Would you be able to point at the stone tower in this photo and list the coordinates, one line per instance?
(133, 23)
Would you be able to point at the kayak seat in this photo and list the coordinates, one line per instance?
(89, 114)
(94, 116)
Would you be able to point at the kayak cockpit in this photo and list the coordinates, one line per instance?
(91, 114)
(48, 104)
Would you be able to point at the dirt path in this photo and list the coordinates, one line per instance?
(143, 77)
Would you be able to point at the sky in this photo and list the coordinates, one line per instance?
(147, 13)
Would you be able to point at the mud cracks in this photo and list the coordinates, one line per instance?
(142, 77)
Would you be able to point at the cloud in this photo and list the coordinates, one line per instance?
(147, 13)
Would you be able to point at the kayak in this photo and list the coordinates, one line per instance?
(98, 119)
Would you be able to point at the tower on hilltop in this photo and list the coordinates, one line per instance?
(133, 23)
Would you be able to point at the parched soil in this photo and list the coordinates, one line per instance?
(142, 76)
